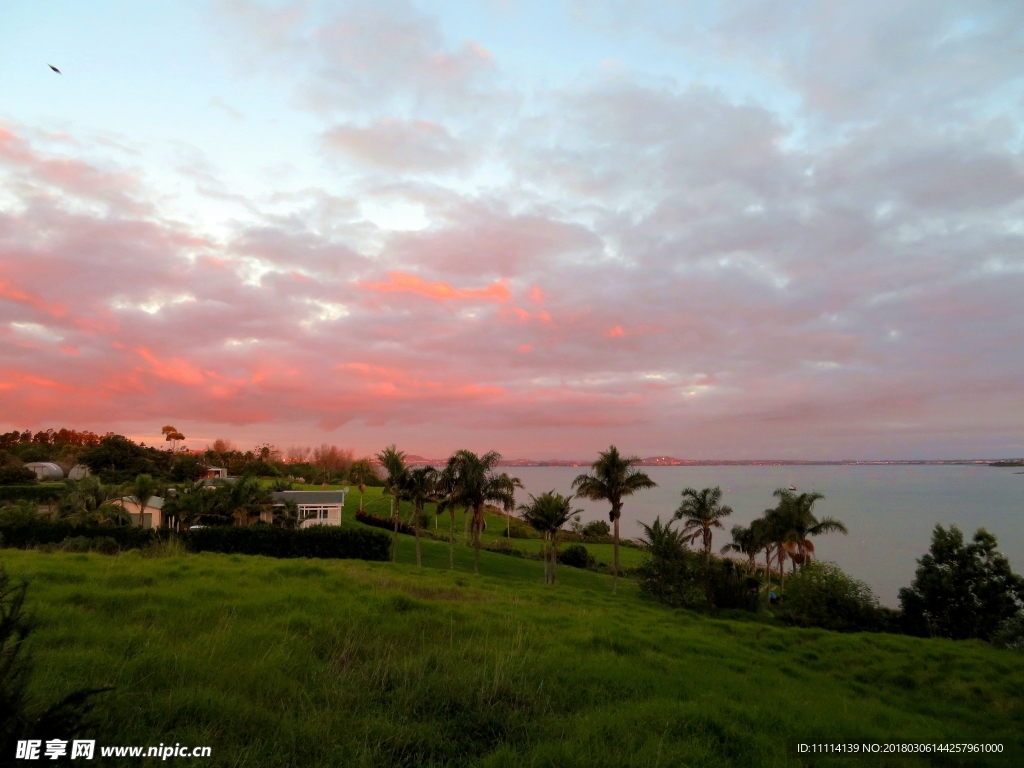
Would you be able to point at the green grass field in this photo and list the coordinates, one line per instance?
(347, 663)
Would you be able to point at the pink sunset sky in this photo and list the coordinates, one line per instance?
(706, 230)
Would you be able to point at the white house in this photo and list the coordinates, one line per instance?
(153, 516)
(315, 507)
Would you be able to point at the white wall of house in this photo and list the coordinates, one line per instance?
(319, 514)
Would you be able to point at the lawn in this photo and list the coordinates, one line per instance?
(347, 663)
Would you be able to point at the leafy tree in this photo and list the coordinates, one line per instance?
(419, 489)
(596, 528)
(703, 512)
(796, 515)
(961, 590)
(331, 460)
(471, 483)
(613, 477)
(547, 513)
(393, 461)
(172, 436)
(118, 459)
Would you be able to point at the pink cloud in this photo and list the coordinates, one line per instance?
(403, 282)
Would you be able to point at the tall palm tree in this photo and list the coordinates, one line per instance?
(611, 478)
(703, 512)
(800, 523)
(419, 489)
(393, 461)
(471, 483)
(444, 496)
(547, 513)
(141, 490)
(359, 473)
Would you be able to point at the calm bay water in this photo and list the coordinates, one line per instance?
(889, 510)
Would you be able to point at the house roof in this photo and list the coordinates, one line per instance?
(311, 497)
(155, 502)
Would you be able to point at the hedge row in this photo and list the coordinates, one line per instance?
(317, 541)
(381, 522)
(43, 531)
(41, 493)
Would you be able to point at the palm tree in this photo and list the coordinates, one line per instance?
(419, 489)
(470, 482)
(613, 477)
(288, 515)
(547, 514)
(703, 512)
(744, 541)
(141, 491)
(88, 500)
(444, 496)
(361, 471)
(800, 523)
(393, 461)
(246, 498)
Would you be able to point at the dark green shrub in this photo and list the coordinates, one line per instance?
(577, 556)
(40, 531)
(1010, 634)
(821, 595)
(387, 524)
(732, 585)
(505, 548)
(38, 492)
(16, 475)
(318, 541)
(519, 530)
(597, 528)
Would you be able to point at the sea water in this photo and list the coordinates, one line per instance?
(890, 510)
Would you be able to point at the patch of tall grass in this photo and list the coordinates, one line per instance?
(316, 662)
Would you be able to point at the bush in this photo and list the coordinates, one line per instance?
(821, 595)
(733, 585)
(38, 492)
(577, 556)
(1010, 634)
(13, 475)
(597, 528)
(519, 530)
(105, 545)
(382, 522)
(318, 541)
(41, 531)
(504, 548)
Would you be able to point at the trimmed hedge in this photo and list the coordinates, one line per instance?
(43, 531)
(382, 522)
(41, 493)
(318, 541)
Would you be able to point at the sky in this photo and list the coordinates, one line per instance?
(709, 230)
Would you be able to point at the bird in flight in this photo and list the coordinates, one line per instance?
(55, 69)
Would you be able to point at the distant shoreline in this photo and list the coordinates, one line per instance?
(670, 461)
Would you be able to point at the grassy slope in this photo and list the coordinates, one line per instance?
(276, 662)
(375, 503)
